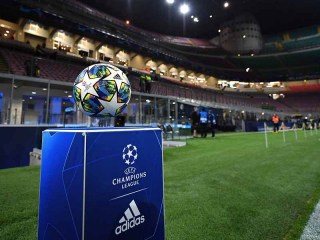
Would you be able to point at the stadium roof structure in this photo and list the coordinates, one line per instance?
(290, 55)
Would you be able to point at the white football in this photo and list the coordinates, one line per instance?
(102, 90)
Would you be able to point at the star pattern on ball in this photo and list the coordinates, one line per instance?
(110, 107)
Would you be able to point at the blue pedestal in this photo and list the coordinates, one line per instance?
(101, 184)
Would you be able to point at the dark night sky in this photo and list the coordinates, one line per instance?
(274, 16)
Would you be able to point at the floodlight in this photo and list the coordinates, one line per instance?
(184, 8)
(170, 1)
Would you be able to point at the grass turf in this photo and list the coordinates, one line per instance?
(230, 187)
(19, 189)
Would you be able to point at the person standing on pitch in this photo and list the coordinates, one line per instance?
(275, 121)
(203, 122)
(212, 122)
(194, 121)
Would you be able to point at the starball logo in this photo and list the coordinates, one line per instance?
(86, 85)
(130, 154)
(132, 218)
(132, 176)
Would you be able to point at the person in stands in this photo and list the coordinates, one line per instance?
(203, 122)
(148, 83)
(276, 122)
(142, 83)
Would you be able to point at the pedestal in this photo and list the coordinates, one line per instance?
(101, 184)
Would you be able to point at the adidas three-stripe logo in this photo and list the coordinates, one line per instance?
(128, 214)
(132, 218)
(117, 76)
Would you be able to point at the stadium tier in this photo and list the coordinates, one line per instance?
(67, 72)
(303, 102)
(301, 43)
(49, 69)
(303, 32)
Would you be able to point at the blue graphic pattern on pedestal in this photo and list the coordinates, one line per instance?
(62, 176)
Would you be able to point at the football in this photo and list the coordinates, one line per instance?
(102, 90)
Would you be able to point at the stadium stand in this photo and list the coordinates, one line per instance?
(301, 59)
(301, 43)
(49, 69)
(3, 65)
(298, 39)
(15, 61)
(67, 72)
(303, 102)
(303, 32)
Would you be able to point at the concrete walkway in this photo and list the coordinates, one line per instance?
(174, 144)
(312, 229)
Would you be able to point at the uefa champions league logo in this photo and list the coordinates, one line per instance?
(130, 154)
(132, 175)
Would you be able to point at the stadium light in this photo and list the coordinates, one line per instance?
(247, 69)
(170, 1)
(196, 19)
(226, 4)
(184, 8)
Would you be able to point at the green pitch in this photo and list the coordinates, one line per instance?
(230, 187)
